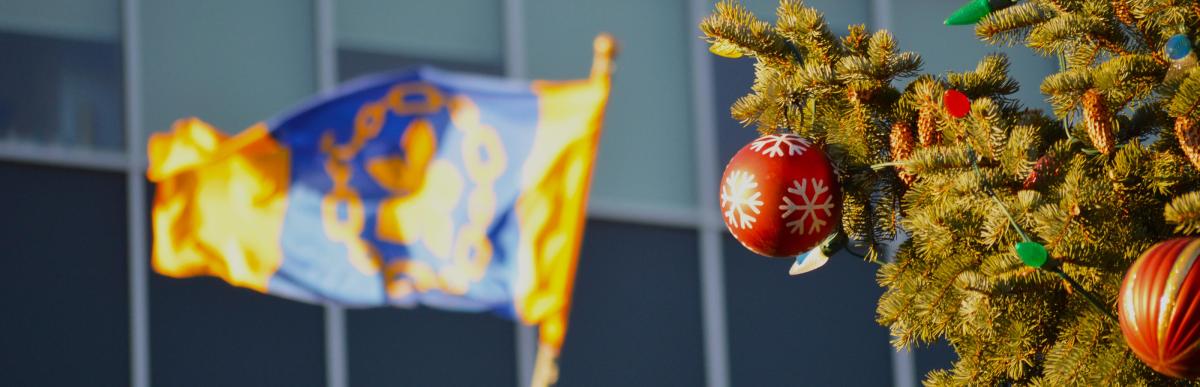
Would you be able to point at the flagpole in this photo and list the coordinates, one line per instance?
(336, 373)
(135, 187)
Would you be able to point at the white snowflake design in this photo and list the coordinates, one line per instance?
(772, 145)
(738, 191)
(808, 206)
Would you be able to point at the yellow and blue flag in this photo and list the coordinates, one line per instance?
(427, 187)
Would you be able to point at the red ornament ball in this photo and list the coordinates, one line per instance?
(1159, 308)
(780, 196)
(957, 103)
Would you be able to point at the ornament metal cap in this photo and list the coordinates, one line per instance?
(812, 260)
(818, 256)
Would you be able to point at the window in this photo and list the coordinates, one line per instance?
(381, 35)
(635, 317)
(819, 328)
(66, 309)
(61, 79)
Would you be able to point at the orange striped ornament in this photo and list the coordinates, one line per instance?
(1160, 308)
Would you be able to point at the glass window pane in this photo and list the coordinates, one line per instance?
(635, 318)
(61, 79)
(354, 62)
(737, 75)
(936, 356)
(70, 19)
(426, 347)
(446, 30)
(819, 328)
(66, 308)
(646, 151)
(231, 63)
(204, 332)
(380, 36)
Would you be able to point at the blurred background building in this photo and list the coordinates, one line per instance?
(664, 296)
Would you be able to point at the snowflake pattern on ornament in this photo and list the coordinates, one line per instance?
(772, 145)
(808, 206)
(738, 191)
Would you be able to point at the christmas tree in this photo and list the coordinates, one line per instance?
(1112, 171)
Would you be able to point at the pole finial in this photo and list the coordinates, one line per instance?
(605, 49)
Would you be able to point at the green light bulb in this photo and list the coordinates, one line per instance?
(1032, 253)
(973, 11)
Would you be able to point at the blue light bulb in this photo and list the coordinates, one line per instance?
(1178, 47)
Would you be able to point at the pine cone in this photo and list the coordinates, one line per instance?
(859, 96)
(1098, 121)
(1033, 176)
(1121, 11)
(1189, 139)
(1045, 166)
(927, 130)
(902, 148)
(852, 96)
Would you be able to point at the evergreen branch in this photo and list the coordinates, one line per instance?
(936, 159)
(1019, 151)
(748, 108)
(1091, 299)
(858, 73)
(990, 78)
(1184, 212)
(904, 65)
(1170, 171)
(819, 79)
(855, 41)
(1163, 17)
(734, 31)
(806, 29)
(1081, 347)
(1082, 56)
(1065, 90)
(1012, 25)
(1067, 30)
(1092, 343)
(881, 49)
(1128, 77)
(1187, 98)
(1061, 6)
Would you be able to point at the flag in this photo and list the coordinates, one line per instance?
(420, 187)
